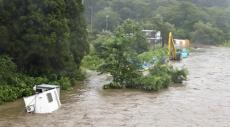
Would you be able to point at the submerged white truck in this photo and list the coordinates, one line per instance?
(45, 100)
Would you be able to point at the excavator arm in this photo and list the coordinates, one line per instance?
(171, 47)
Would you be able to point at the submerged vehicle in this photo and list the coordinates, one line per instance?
(178, 48)
(45, 100)
(182, 47)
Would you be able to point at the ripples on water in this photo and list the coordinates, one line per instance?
(202, 101)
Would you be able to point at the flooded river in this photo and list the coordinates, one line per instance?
(202, 101)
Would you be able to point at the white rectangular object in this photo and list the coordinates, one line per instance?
(45, 102)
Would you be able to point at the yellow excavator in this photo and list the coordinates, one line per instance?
(177, 51)
(173, 55)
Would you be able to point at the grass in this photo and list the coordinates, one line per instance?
(226, 44)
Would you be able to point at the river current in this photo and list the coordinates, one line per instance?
(202, 101)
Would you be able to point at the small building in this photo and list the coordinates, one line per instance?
(45, 100)
(153, 37)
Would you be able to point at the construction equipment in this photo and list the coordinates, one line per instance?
(172, 51)
(177, 48)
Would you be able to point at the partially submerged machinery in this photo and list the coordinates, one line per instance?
(177, 48)
(45, 100)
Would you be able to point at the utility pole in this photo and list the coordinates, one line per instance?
(91, 15)
(106, 23)
(91, 19)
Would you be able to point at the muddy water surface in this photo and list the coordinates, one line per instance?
(202, 101)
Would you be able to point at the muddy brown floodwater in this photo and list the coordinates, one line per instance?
(202, 101)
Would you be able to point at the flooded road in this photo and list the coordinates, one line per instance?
(202, 101)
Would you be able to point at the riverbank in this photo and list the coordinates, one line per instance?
(15, 84)
(226, 44)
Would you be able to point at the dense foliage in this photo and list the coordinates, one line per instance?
(160, 77)
(203, 21)
(122, 61)
(149, 55)
(105, 43)
(226, 44)
(15, 85)
(41, 42)
(43, 37)
(92, 62)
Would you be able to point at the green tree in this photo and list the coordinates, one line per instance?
(220, 18)
(131, 9)
(44, 37)
(120, 61)
(183, 15)
(106, 19)
(158, 23)
(133, 30)
(212, 3)
(206, 33)
(7, 70)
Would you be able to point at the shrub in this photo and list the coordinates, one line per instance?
(226, 44)
(159, 77)
(178, 76)
(14, 85)
(64, 83)
(113, 85)
(134, 83)
(91, 62)
(7, 70)
(148, 56)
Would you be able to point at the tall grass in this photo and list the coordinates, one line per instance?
(226, 44)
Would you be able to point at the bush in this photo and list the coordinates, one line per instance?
(7, 70)
(91, 62)
(14, 85)
(160, 77)
(113, 85)
(155, 83)
(178, 76)
(226, 44)
(148, 56)
(63, 82)
(134, 83)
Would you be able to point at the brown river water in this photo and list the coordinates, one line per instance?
(202, 101)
